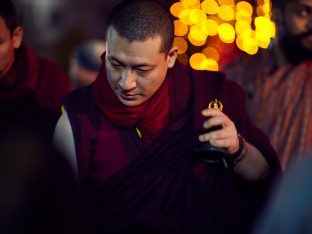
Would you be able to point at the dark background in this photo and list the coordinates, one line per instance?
(54, 27)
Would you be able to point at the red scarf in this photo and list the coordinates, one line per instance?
(26, 64)
(18, 85)
(151, 117)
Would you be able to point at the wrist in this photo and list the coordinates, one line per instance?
(235, 158)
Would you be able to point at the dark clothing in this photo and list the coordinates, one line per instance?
(278, 101)
(31, 92)
(129, 188)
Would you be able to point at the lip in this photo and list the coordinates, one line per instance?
(127, 96)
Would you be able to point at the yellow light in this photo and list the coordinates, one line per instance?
(192, 4)
(241, 26)
(226, 33)
(226, 13)
(244, 6)
(243, 16)
(209, 27)
(266, 7)
(263, 39)
(181, 43)
(197, 33)
(210, 7)
(180, 29)
(210, 64)
(265, 25)
(226, 2)
(195, 42)
(199, 19)
(197, 16)
(250, 45)
(211, 52)
(184, 16)
(176, 8)
(248, 33)
(239, 42)
(196, 61)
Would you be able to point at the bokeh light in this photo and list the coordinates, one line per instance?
(207, 23)
(209, 27)
(181, 43)
(211, 52)
(226, 13)
(210, 7)
(226, 33)
(180, 29)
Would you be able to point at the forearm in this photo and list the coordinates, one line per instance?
(253, 167)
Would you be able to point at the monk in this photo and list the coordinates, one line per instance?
(131, 137)
(30, 87)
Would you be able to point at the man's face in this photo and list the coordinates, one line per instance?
(298, 17)
(136, 70)
(8, 43)
(297, 36)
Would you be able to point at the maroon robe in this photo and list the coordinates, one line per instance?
(31, 92)
(160, 189)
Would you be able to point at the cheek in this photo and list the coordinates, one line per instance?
(112, 76)
(6, 55)
(296, 25)
(153, 86)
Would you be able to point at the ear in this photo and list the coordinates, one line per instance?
(17, 37)
(172, 56)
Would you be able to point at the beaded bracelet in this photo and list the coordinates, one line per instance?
(240, 154)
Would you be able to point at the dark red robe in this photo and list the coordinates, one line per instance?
(128, 188)
(31, 92)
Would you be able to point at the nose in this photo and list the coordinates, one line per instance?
(127, 80)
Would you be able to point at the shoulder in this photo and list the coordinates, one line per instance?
(78, 100)
(306, 65)
(215, 81)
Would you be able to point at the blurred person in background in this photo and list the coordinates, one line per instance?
(85, 63)
(278, 81)
(290, 209)
(31, 87)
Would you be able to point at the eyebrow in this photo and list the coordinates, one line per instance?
(134, 66)
(303, 4)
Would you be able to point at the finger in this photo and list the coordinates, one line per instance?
(222, 120)
(211, 112)
(223, 143)
(219, 134)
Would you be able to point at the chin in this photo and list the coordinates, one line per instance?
(130, 103)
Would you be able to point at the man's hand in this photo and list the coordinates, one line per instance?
(225, 137)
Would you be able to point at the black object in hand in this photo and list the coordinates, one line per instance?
(205, 152)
